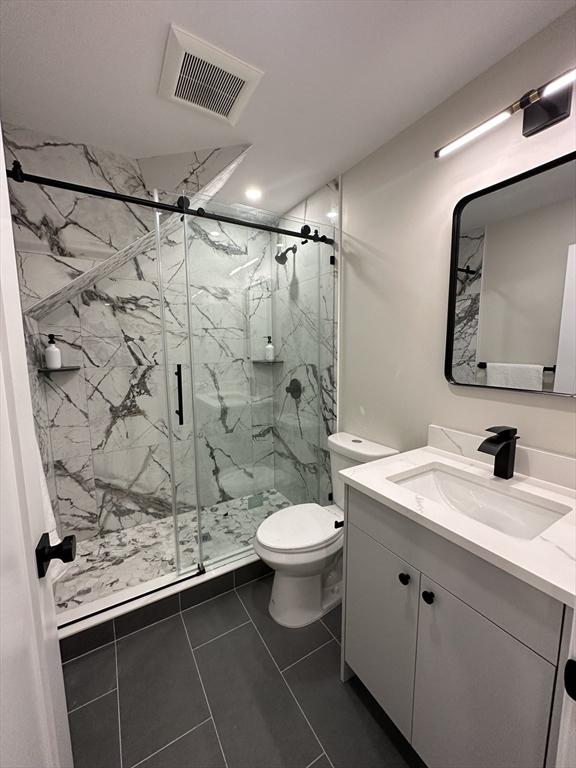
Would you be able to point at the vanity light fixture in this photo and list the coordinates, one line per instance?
(253, 193)
(542, 107)
(559, 83)
(474, 133)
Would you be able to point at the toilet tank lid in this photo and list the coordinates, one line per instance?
(357, 448)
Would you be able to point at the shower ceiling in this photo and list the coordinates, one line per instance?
(341, 77)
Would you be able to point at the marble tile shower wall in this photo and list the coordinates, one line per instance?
(58, 236)
(305, 323)
(229, 279)
(464, 366)
(103, 431)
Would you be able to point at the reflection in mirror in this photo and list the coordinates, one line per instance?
(512, 318)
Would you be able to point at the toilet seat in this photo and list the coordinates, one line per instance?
(300, 528)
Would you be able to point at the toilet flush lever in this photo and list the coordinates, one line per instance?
(339, 524)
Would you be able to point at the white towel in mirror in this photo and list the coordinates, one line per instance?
(515, 375)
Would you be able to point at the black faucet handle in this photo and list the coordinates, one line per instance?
(506, 433)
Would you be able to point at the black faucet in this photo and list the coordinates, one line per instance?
(502, 445)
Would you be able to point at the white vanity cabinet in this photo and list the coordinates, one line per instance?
(481, 698)
(382, 624)
(462, 657)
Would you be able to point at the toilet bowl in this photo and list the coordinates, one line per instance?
(303, 543)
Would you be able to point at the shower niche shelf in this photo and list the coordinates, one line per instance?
(63, 369)
(267, 362)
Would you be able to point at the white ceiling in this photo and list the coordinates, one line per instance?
(342, 76)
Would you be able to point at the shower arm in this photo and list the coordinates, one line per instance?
(17, 174)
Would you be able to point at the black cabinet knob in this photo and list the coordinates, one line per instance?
(404, 578)
(428, 597)
(570, 678)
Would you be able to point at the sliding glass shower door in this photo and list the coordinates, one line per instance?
(253, 438)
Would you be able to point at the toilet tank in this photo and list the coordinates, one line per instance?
(347, 451)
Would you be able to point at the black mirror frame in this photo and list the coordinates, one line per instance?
(460, 205)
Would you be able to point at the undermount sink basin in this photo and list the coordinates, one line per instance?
(506, 509)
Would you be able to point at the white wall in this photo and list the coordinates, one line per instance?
(523, 274)
(397, 214)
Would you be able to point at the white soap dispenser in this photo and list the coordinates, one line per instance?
(269, 350)
(52, 354)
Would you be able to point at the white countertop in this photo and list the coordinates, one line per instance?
(547, 562)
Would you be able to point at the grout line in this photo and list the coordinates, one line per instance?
(258, 578)
(307, 654)
(208, 600)
(147, 626)
(204, 691)
(329, 630)
(286, 683)
(208, 719)
(81, 655)
(316, 760)
(118, 696)
(196, 647)
(81, 706)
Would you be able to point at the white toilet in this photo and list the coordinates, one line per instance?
(303, 543)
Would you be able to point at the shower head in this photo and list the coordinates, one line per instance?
(282, 257)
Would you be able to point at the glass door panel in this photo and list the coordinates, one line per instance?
(259, 426)
(178, 376)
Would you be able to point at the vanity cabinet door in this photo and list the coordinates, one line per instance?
(381, 624)
(481, 698)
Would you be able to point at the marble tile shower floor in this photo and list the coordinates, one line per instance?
(144, 552)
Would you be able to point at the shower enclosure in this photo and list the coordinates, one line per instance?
(192, 437)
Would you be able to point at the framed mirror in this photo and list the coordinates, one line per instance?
(512, 298)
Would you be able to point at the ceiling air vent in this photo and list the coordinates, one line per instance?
(205, 78)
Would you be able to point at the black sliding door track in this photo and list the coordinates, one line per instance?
(17, 174)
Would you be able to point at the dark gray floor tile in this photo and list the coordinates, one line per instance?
(90, 676)
(353, 729)
(322, 762)
(160, 692)
(258, 721)
(208, 620)
(206, 590)
(250, 572)
(199, 749)
(94, 734)
(82, 642)
(333, 621)
(146, 615)
(286, 645)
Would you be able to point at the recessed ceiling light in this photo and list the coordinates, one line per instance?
(253, 193)
(214, 234)
(332, 215)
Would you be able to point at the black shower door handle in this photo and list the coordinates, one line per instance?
(179, 411)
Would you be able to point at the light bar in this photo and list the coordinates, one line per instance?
(559, 83)
(531, 124)
(474, 133)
